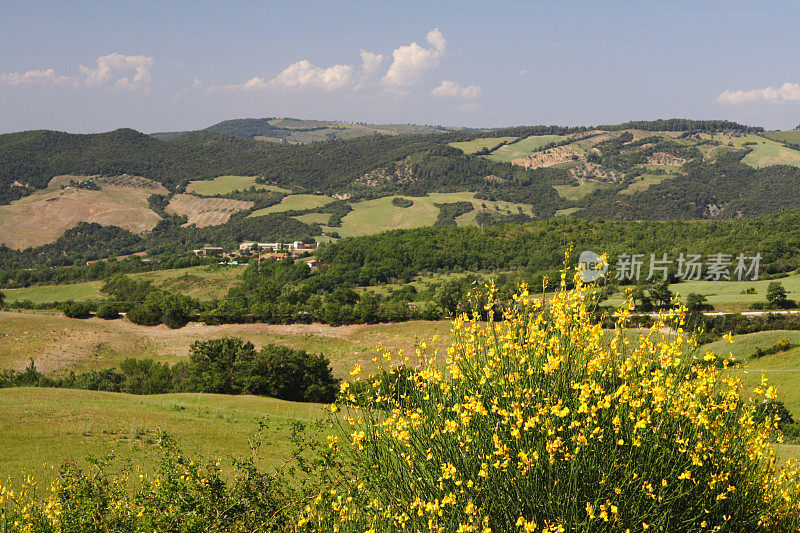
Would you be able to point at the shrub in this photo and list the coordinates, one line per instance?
(108, 311)
(546, 421)
(77, 309)
(398, 201)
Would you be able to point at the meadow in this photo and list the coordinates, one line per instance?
(523, 148)
(475, 145)
(228, 184)
(727, 295)
(45, 427)
(295, 202)
(201, 282)
(765, 152)
(375, 216)
(585, 187)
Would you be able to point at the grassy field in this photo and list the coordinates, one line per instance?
(645, 181)
(49, 426)
(204, 212)
(525, 147)
(765, 152)
(470, 147)
(89, 290)
(201, 282)
(42, 217)
(226, 184)
(726, 295)
(59, 344)
(585, 188)
(295, 202)
(375, 216)
(790, 136)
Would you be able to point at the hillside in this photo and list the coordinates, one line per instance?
(298, 131)
(216, 186)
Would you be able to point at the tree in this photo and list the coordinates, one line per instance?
(776, 295)
(216, 366)
(2, 298)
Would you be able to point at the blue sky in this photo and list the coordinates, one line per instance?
(155, 66)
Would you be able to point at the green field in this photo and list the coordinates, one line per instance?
(525, 147)
(645, 181)
(295, 202)
(585, 188)
(789, 136)
(226, 184)
(49, 426)
(764, 153)
(201, 282)
(89, 290)
(470, 147)
(375, 216)
(726, 295)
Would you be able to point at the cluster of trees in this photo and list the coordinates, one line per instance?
(219, 366)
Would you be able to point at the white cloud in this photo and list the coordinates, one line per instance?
(523, 72)
(304, 74)
(370, 62)
(788, 92)
(467, 108)
(43, 77)
(451, 89)
(128, 72)
(410, 61)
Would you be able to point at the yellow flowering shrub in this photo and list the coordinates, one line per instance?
(544, 421)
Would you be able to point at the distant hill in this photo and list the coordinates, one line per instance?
(656, 170)
(299, 131)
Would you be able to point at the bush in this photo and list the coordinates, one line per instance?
(77, 309)
(108, 311)
(546, 421)
(397, 201)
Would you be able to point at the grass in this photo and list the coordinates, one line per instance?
(470, 147)
(61, 344)
(43, 216)
(525, 147)
(89, 290)
(726, 295)
(54, 425)
(375, 216)
(585, 188)
(226, 184)
(790, 136)
(201, 282)
(295, 202)
(645, 181)
(764, 153)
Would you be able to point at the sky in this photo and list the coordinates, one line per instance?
(170, 66)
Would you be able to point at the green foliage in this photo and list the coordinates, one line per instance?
(77, 309)
(401, 202)
(448, 212)
(776, 295)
